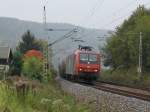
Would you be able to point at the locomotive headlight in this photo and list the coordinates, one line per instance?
(95, 70)
(80, 69)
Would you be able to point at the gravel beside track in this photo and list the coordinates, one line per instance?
(104, 101)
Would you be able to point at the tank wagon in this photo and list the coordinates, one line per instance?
(84, 64)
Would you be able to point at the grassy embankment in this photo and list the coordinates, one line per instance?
(127, 78)
(43, 98)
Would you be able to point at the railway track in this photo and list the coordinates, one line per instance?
(121, 90)
(116, 89)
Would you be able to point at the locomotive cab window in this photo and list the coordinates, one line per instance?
(92, 58)
(83, 58)
(88, 58)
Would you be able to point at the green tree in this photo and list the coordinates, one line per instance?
(16, 66)
(123, 48)
(32, 68)
(28, 42)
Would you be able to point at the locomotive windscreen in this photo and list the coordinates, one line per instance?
(88, 58)
(93, 58)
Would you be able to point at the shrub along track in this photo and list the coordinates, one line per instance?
(122, 90)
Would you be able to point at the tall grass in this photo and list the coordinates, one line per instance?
(48, 98)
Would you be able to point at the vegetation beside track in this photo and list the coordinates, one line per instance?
(122, 49)
(30, 91)
(128, 78)
(44, 98)
(122, 52)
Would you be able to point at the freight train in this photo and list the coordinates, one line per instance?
(83, 64)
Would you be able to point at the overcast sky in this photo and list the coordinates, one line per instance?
(102, 14)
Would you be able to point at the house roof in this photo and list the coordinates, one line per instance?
(5, 52)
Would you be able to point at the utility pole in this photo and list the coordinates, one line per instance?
(140, 55)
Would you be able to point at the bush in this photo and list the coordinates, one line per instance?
(33, 68)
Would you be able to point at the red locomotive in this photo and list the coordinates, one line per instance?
(82, 64)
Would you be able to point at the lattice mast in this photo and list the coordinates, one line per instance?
(45, 47)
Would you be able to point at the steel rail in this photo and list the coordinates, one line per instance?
(125, 91)
(116, 89)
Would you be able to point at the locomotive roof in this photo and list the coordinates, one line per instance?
(83, 51)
